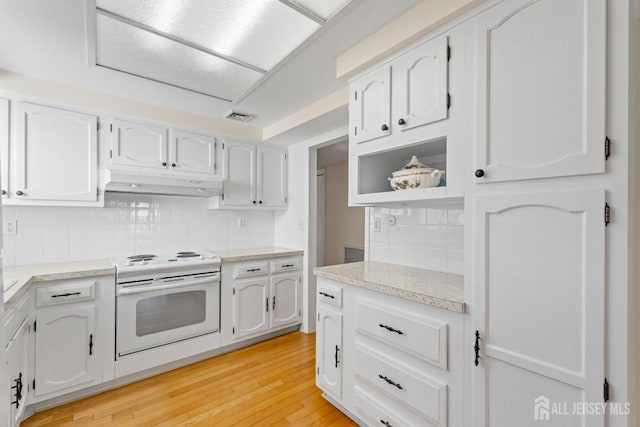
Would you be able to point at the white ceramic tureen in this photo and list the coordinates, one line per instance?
(415, 175)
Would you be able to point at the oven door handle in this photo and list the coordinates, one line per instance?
(142, 289)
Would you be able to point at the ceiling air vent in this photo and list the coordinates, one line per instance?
(240, 117)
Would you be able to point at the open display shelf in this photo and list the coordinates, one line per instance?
(375, 169)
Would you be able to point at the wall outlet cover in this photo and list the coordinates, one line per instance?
(376, 224)
(10, 228)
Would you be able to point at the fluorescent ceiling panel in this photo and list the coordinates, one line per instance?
(323, 8)
(260, 33)
(135, 51)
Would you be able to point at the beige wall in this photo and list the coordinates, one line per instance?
(344, 225)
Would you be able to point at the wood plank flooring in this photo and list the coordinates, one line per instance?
(268, 384)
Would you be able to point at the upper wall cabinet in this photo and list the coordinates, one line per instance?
(253, 177)
(541, 89)
(370, 107)
(4, 146)
(56, 156)
(159, 150)
(138, 146)
(410, 92)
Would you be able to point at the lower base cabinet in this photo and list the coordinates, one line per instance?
(17, 352)
(389, 361)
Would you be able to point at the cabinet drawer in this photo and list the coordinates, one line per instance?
(251, 269)
(412, 333)
(14, 316)
(425, 395)
(370, 408)
(66, 293)
(329, 294)
(285, 264)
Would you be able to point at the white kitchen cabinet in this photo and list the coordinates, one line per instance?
(265, 296)
(329, 351)
(192, 153)
(253, 177)
(239, 174)
(251, 305)
(5, 135)
(272, 182)
(17, 357)
(65, 349)
(56, 156)
(136, 145)
(422, 90)
(370, 106)
(285, 299)
(539, 305)
(541, 95)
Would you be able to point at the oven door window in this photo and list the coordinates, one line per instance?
(166, 312)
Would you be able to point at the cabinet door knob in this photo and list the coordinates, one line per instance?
(402, 122)
(260, 202)
(385, 127)
(254, 202)
(173, 165)
(479, 173)
(4, 192)
(19, 193)
(164, 163)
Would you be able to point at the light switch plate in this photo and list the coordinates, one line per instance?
(376, 224)
(241, 223)
(10, 228)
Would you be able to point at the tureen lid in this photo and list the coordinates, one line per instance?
(414, 166)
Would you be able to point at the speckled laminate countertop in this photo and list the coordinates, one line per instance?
(17, 278)
(443, 290)
(235, 255)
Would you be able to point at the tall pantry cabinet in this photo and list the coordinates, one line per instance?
(539, 285)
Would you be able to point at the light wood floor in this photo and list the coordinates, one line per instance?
(267, 384)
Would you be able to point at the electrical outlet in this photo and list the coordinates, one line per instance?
(10, 228)
(241, 223)
(376, 224)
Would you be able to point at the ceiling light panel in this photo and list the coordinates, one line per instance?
(130, 49)
(260, 33)
(323, 8)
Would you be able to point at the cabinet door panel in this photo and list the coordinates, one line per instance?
(423, 75)
(250, 307)
(5, 132)
(370, 108)
(137, 145)
(329, 351)
(63, 358)
(539, 280)
(285, 300)
(239, 174)
(57, 154)
(541, 89)
(193, 153)
(272, 177)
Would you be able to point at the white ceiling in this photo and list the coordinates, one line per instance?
(47, 40)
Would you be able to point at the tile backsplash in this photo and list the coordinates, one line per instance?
(128, 224)
(424, 237)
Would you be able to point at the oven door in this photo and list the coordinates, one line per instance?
(158, 312)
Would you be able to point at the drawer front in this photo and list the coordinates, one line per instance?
(330, 294)
(15, 315)
(66, 293)
(377, 412)
(285, 264)
(412, 333)
(251, 269)
(425, 395)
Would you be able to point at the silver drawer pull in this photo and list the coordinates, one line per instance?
(390, 329)
(391, 382)
(324, 294)
(68, 294)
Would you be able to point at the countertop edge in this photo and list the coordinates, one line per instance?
(266, 255)
(457, 307)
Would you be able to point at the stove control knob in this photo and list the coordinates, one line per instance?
(129, 264)
(201, 257)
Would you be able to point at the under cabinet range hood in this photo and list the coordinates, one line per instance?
(122, 182)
